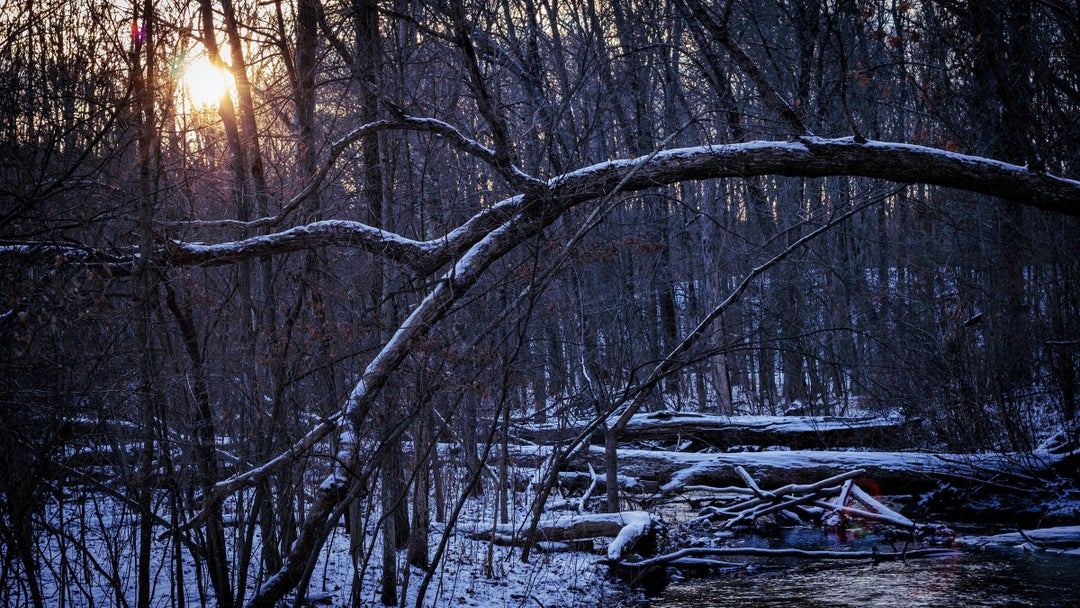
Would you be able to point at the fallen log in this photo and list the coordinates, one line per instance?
(887, 472)
(699, 552)
(674, 472)
(722, 432)
(1056, 539)
(628, 530)
(890, 472)
(1013, 483)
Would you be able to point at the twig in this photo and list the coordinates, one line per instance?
(589, 491)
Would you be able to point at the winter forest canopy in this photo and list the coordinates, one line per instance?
(275, 268)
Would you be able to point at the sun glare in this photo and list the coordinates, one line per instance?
(203, 83)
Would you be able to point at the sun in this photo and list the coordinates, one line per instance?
(203, 83)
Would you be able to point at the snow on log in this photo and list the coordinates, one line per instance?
(1065, 539)
(702, 430)
(580, 480)
(890, 472)
(626, 528)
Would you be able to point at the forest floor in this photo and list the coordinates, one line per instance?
(480, 573)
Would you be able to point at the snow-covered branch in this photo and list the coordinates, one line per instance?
(415, 254)
(807, 157)
(820, 157)
(60, 254)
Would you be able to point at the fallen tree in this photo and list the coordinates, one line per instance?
(670, 472)
(1064, 539)
(705, 431)
(630, 530)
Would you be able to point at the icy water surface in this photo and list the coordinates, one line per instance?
(972, 578)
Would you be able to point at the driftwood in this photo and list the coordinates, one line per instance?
(707, 431)
(847, 504)
(764, 503)
(837, 504)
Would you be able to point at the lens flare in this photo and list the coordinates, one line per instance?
(204, 83)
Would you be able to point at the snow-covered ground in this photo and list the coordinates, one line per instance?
(90, 559)
(94, 564)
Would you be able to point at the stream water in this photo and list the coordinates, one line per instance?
(984, 578)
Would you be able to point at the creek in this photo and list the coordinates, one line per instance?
(984, 578)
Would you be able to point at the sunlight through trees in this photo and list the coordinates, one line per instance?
(307, 302)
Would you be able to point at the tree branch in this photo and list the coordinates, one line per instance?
(805, 157)
(399, 122)
(719, 32)
(415, 254)
(820, 157)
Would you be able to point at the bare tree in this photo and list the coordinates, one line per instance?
(407, 224)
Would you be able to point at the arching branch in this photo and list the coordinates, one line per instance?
(820, 157)
(804, 157)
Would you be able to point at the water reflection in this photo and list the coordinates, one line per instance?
(980, 578)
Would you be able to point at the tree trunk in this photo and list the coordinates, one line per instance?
(426, 447)
(388, 590)
(146, 299)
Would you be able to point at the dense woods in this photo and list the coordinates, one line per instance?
(331, 290)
